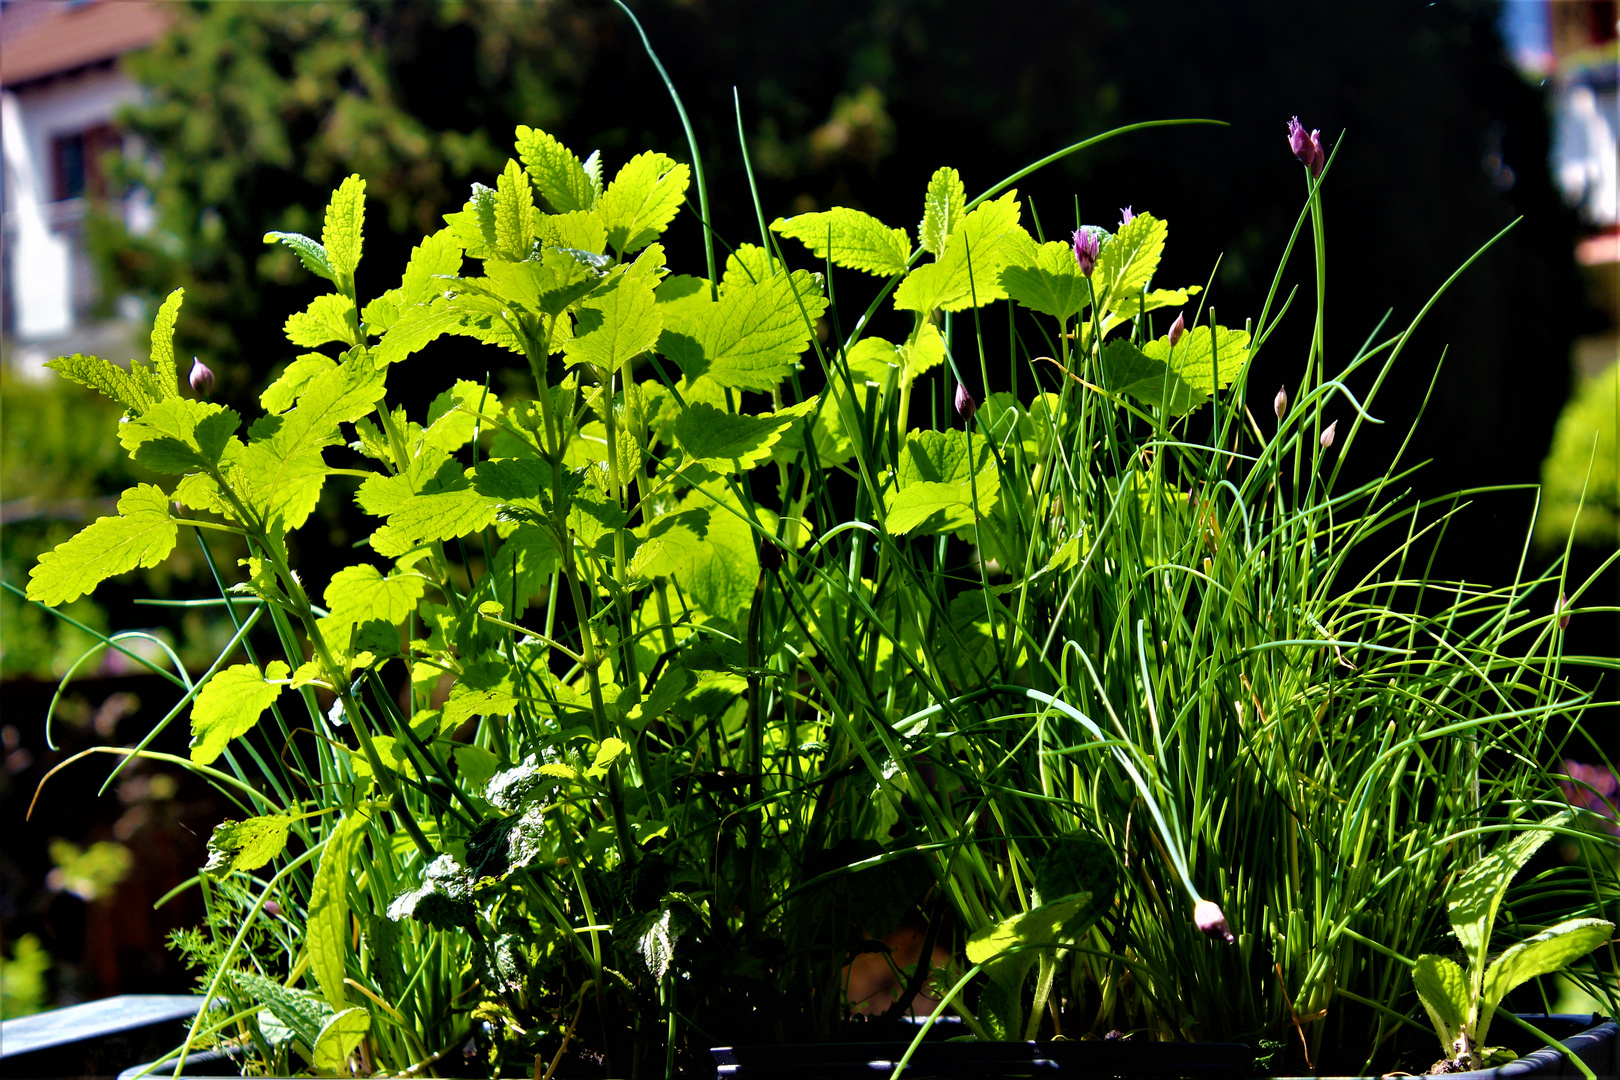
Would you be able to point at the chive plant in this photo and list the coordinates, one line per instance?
(663, 693)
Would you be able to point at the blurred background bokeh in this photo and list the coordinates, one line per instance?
(151, 145)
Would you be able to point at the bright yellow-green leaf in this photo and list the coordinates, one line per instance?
(944, 206)
(935, 486)
(135, 388)
(642, 200)
(1552, 950)
(718, 575)
(179, 435)
(616, 324)
(727, 442)
(359, 594)
(579, 230)
(751, 338)
(1127, 370)
(246, 845)
(1205, 361)
(142, 534)
(230, 704)
(921, 353)
(986, 240)
(1442, 987)
(280, 395)
(327, 928)
(339, 1037)
(345, 222)
(163, 365)
(556, 171)
(1128, 261)
(309, 252)
(1053, 285)
(850, 238)
(327, 319)
(610, 749)
(515, 214)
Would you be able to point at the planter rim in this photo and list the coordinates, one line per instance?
(90, 1019)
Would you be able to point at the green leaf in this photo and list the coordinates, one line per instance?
(327, 319)
(944, 206)
(727, 442)
(1442, 987)
(142, 534)
(341, 234)
(301, 1012)
(163, 365)
(246, 845)
(642, 200)
(309, 252)
(616, 324)
(577, 230)
(718, 575)
(359, 594)
(515, 213)
(1053, 285)
(230, 704)
(751, 338)
(1058, 924)
(339, 1037)
(326, 932)
(986, 240)
(1128, 262)
(1552, 950)
(556, 171)
(484, 689)
(435, 258)
(1473, 899)
(135, 389)
(457, 510)
(921, 353)
(851, 239)
(1126, 370)
(280, 395)
(936, 487)
(1194, 355)
(179, 435)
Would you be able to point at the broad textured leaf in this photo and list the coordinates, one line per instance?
(642, 200)
(921, 353)
(986, 240)
(338, 1039)
(944, 206)
(1053, 285)
(303, 1013)
(142, 534)
(1442, 987)
(460, 510)
(344, 225)
(1127, 262)
(246, 845)
(1126, 370)
(164, 369)
(522, 567)
(135, 389)
(1053, 925)
(577, 230)
(750, 339)
(727, 442)
(1195, 355)
(871, 361)
(937, 488)
(280, 395)
(718, 575)
(670, 541)
(327, 929)
(1131, 305)
(309, 252)
(1473, 899)
(515, 214)
(945, 507)
(616, 324)
(178, 435)
(850, 238)
(556, 171)
(230, 704)
(359, 594)
(1554, 949)
(436, 257)
(327, 319)
(484, 689)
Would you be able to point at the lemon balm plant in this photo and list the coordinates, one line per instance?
(662, 695)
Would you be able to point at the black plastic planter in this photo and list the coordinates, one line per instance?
(1140, 1061)
(95, 1039)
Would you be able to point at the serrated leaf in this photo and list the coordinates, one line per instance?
(179, 435)
(280, 395)
(359, 594)
(309, 252)
(728, 442)
(556, 171)
(1127, 370)
(484, 689)
(1442, 987)
(1053, 285)
(1195, 356)
(459, 510)
(302, 1013)
(937, 487)
(850, 238)
(616, 324)
(142, 534)
(606, 754)
(1473, 899)
(246, 845)
(230, 704)
(577, 230)
(751, 338)
(514, 213)
(718, 575)
(127, 388)
(944, 206)
(968, 272)
(324, 321)
(1552, 950)
(1128, 262)
(339, 1037)
(436, 257)
(342, 232)
(327, 928)
(163, 365)
(642, 200)
(921, 353)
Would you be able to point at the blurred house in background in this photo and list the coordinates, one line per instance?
(61, 85)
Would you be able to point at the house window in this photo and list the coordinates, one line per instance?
(76, 162)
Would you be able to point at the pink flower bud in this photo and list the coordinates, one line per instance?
(1126, 217)
(1327, 435)
(1563, 612)
(1306, 147)
(1087, 244)
(965, 405)
(202, 379)
(1212, 921)
(1177, 328)
(272, 908)
(1279, 404)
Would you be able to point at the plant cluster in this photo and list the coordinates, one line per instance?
(667, 697)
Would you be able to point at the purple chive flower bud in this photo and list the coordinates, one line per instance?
(1126, 217)
(1306, 147)
(965, 405)
(770, 556)
(1279, 404)
(1563, 612)
(201, 378)
(1086, 246)
(1327, 435)
(1212, 921)
(1177, 328)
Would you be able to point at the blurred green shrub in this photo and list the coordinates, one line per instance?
(22, 978)
(1581, 475)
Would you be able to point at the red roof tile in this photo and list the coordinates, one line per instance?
(39, 38)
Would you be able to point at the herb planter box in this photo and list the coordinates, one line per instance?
(1594, 1040)
(97, 1038)
(832, 1061)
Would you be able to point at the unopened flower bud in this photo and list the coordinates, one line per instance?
(272, 908)
(1126, 217)
(1327, 434)
(965, 405)
(1563, 612)
(1279, 404)
(201, 378)
(1177, 328)
(1306, 147)
(770, 556)
(1087, 244)
(1212, 921)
